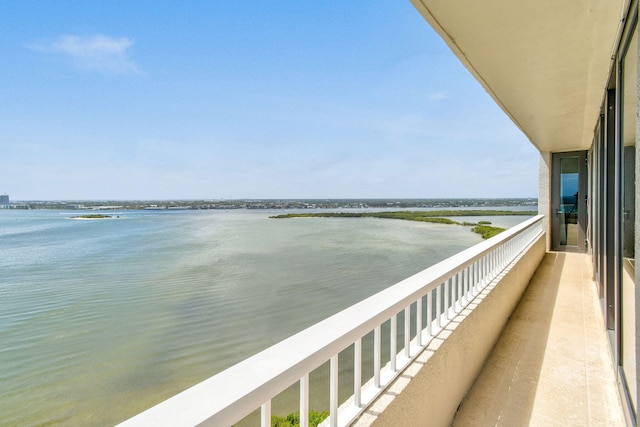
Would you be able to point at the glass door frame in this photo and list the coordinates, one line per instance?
(558, 215)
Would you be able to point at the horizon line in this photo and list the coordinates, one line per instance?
(247, 199)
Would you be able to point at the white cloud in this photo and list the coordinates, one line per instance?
(96, 52)
(438, 96)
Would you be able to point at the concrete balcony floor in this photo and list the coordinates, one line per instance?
(552, 365)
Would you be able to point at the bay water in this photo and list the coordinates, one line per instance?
(101, 319)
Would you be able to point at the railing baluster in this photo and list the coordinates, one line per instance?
(465, 285)
(487, 271)
(496, 259)
(304, 401)
(491, 270)
(265, 414)
(452, 297)
(483, 272)
(430, 313)
(445, 297)
(507, 253)
(376, 356)
(439, 307)
(463, 290)
(447, 300)
(393, 337)
(493, 265)
(505, 256)
(494, 262)
(407, 331)
(473, 280)
(458, 277)
(333, 391)
(357, 372)
(419, 322)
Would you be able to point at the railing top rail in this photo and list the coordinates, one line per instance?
(243, 387)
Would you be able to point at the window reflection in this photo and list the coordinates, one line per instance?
(569, 206)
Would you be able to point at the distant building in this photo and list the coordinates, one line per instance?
(4, 201)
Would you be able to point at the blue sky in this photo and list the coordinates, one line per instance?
(256, 99)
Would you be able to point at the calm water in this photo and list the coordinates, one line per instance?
(101, 319)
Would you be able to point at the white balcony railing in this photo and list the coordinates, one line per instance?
(428, 301)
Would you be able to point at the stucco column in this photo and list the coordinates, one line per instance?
(544, 192)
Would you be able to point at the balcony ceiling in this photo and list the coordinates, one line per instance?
(545, 62)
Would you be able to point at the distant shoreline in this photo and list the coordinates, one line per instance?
(227, 204)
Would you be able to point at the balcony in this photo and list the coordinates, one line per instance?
(551, 365)
(446, 320)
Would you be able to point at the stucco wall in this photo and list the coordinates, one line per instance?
(430, 390)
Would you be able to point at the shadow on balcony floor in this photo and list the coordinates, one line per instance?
(551, 365)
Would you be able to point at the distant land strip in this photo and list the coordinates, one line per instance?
(439, 217)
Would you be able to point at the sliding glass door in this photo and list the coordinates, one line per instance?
(625, 260)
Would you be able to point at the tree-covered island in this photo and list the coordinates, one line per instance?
(92, 216)
(439, 217)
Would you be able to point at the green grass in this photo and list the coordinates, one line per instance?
(293, 419)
